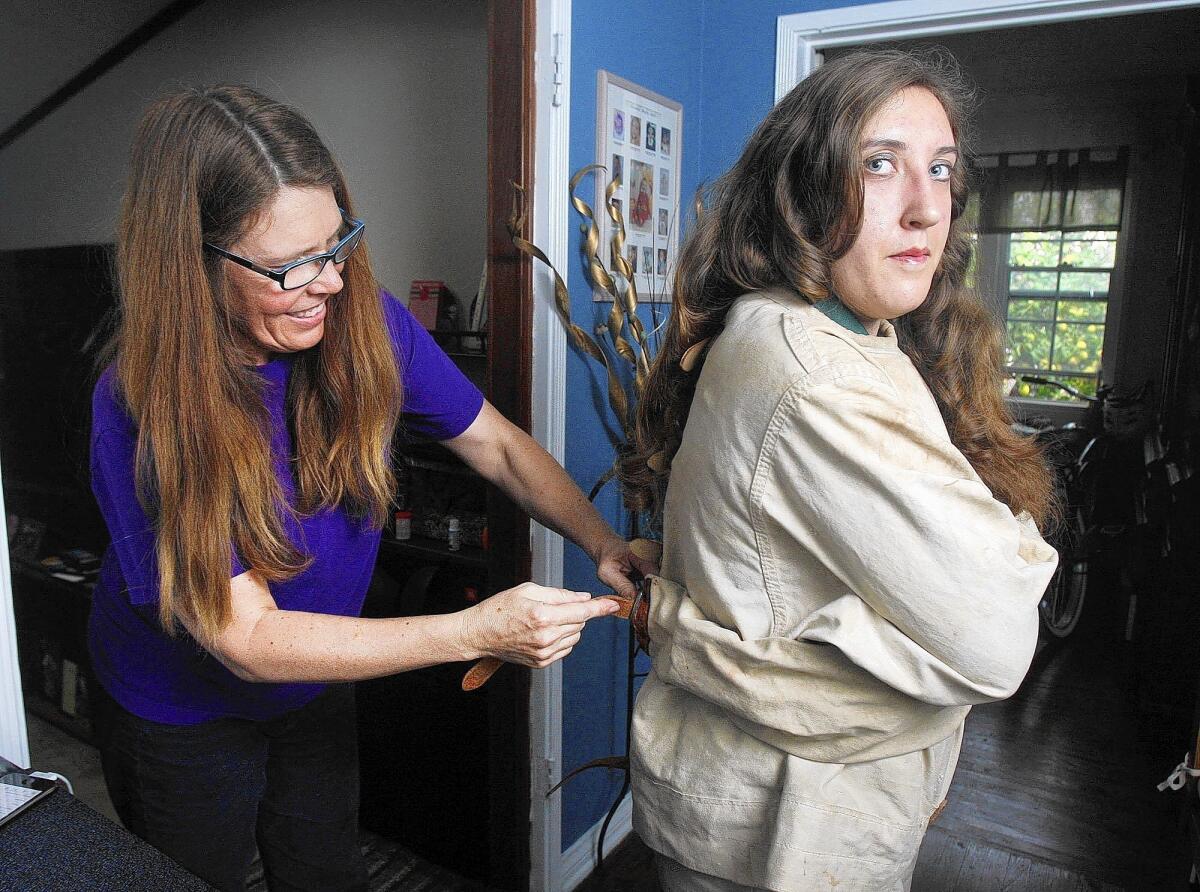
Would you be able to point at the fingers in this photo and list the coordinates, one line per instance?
(620, 571)
(620, 583)
(551, 595)
(536, 626)
(553, 655)
(594, 608)
(645, 566)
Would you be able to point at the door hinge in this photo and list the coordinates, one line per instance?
(556, 101)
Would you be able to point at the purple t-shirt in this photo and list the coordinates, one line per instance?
(172, 679)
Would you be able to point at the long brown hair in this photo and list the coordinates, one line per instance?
(791, 206)
(204, 165)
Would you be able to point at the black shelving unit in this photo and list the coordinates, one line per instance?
(423, 549)
(52, 613)
(426, 748)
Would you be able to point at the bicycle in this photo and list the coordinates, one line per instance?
(1078, 453)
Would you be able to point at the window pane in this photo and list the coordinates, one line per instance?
(1080, 310)
(1029, 344)
(1084, 385)
(1095, 284)
(1041, 235)
(1094, 207)
(1043, 253)
(971, 212)
(1033, 209)
(1028, 308)
(1078, 252)
(973, 263)
(1035, 283)
(1077, 347)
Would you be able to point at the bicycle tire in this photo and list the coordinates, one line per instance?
(1062, 604)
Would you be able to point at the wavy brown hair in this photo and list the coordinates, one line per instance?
(205, 165)
(793, 204)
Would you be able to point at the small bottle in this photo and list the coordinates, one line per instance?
(403, 525)
(453, 534)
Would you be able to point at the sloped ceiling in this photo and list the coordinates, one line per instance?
(43, 44)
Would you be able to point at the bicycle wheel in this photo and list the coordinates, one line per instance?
(1062, 604)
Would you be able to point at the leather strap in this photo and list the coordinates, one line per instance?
(636, 610)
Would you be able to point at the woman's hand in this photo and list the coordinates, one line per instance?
(531, 624)
(618, 565)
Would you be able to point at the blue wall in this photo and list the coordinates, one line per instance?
(659, 47)
(739, 52)
(717, 57)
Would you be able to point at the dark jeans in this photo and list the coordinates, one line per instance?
(204, 794)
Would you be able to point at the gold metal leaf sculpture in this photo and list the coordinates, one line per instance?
(633, 348)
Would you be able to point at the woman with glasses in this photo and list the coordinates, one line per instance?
(240, 448)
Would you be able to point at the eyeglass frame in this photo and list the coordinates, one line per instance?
(277, 275)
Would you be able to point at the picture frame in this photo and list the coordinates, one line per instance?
(639, 140)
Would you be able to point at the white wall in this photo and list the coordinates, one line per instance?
(398, 90)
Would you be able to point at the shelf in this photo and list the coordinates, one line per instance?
(454, 339)
(82, 588)
(435, 549)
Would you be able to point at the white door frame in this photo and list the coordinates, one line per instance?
(552, 77)
(801, 36)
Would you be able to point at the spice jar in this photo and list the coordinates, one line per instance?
(403, 525)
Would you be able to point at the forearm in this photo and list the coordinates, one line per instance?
(293, 646)
(544, 491)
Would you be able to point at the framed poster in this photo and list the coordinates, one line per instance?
(639, 138)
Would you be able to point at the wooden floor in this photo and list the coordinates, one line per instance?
(1055, 788)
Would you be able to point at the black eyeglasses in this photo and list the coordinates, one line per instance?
(304, 271)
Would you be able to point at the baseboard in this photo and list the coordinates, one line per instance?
(579, 860)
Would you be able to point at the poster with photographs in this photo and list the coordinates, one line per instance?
(639, 135)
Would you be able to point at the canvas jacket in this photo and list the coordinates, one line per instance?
(838, 587)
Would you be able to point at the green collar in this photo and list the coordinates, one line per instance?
(840, 313)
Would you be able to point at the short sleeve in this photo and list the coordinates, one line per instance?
(439, 401)
(114, 483)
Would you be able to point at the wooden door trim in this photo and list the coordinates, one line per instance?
(511, 39)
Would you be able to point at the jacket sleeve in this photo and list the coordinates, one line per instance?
(942, 580)
(802, 697)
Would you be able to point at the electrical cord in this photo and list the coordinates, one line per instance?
(55, 777)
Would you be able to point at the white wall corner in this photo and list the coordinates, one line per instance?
(548, 195)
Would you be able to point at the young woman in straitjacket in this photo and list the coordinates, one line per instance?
(851, 547)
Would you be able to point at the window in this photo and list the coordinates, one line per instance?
(1052, 220)
(1058, 286)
